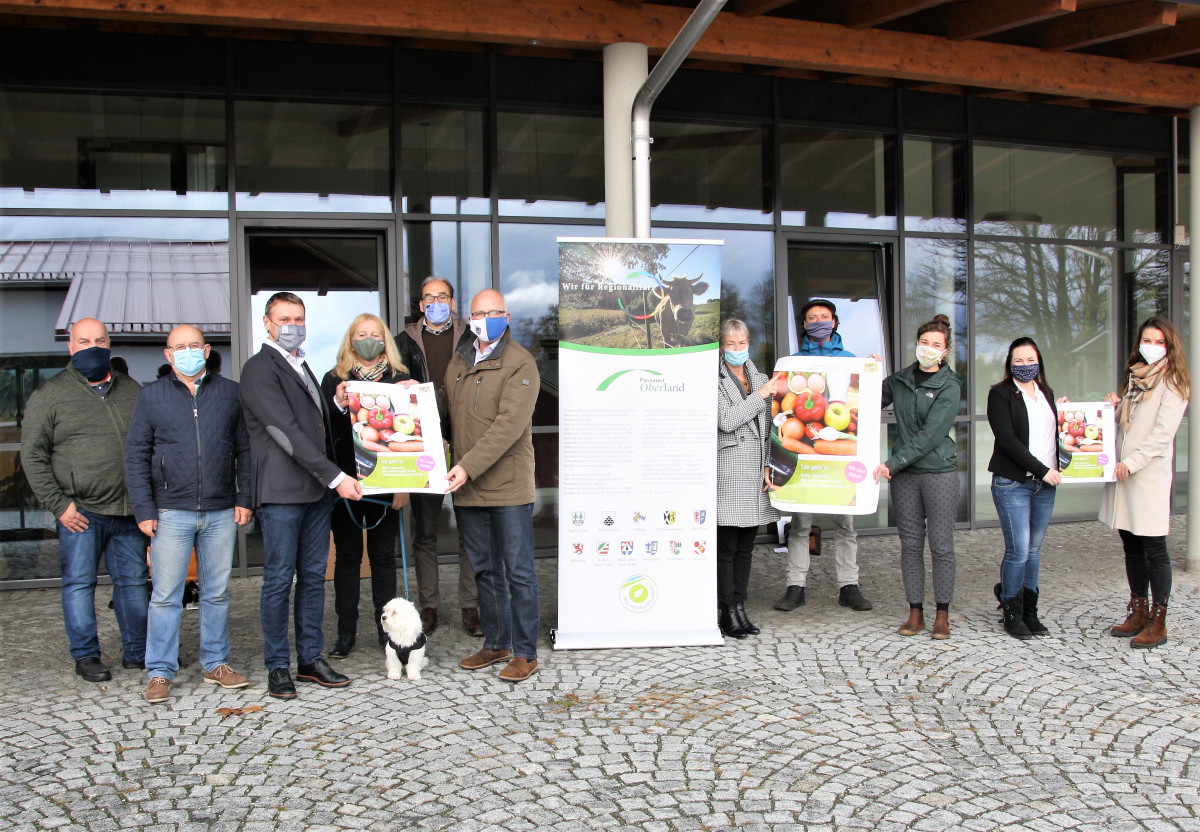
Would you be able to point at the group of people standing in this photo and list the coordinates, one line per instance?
(179, 464)
(922, 469)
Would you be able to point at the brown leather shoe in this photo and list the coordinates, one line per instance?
(1134, 622)
(484, 658)
(914, 624)
(1155, 631)
(470, 618)
(518, 670)
(941, 625)
(429, 620)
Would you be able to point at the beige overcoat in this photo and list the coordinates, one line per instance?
(1142, 503)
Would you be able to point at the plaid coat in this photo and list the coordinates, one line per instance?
(743, 437)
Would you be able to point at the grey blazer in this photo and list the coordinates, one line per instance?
(743, 436)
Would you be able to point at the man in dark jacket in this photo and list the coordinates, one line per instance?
(187, 468)
(425, 348)
(72, 450)
(293, 476)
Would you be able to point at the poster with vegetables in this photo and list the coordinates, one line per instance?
(825, 434)
(1087, 433)
(397, 438)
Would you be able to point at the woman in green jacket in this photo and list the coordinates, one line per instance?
(923, 469)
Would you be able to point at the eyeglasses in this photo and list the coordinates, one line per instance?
(183, 347)
(442, 298)
(491, 313)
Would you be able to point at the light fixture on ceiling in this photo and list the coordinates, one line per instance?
(1009, 215)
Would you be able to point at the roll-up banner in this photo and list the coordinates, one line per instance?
(639, 323)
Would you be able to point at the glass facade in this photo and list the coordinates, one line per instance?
(117, 204)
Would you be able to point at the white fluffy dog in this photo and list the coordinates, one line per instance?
(406, 641)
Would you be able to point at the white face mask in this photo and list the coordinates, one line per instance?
(1152, 352)
(928, 356)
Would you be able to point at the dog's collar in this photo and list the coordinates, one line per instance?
(403, 652)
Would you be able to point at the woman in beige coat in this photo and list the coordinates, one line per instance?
(1138, 504)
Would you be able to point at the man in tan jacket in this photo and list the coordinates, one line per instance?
(492, 386)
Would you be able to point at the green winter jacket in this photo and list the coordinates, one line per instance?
(73, 443)
(924, 416)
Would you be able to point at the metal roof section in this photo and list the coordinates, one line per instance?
(136, 287)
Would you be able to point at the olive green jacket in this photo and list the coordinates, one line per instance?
(924, 417)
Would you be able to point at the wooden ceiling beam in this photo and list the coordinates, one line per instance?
(1178, 42)
(863, 14)
(974, 19)
(753, 8)
(1096, 26)
(770, 41)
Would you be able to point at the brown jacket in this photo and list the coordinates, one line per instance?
(491, 411)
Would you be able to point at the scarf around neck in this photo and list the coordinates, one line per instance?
(1142, 378)
(373, 372)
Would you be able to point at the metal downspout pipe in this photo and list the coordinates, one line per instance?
(679, 49)
(1193, 475)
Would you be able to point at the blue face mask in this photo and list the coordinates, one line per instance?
(1025, 373)
(819, 330)
(188, 362)
(437, 312)
(92, 363)
(736, 358)
(489, 329)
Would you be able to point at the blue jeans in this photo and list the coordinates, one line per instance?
(295, 543)
(123, 546)
(213, 535)
(499, 544)
(1024, 508)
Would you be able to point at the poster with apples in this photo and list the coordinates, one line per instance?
(1087, 433)
(397, 438)
(825, 423)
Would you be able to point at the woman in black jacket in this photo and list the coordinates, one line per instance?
(368, 353)
(1025, 477)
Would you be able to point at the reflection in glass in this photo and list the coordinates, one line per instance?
(551, 165)
(708, 173)
(935, 283)
(848, 277)
(837, 179)
(460, 252)
(1059, 295)
(313, 157)
(112, 151)
(934, 191)
(1147, 289)
(442, 161)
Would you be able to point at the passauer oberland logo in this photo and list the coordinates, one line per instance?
(648, 381)
(638, 593)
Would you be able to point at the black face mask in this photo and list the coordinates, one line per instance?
(92, 363)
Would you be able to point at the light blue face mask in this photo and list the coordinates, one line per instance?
(437, 312)
(736, 358)
(489, 329)
(188, 362)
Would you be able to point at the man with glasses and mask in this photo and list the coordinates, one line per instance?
(425, 348)
(187, 468)
(73, 453)
(492, 385)
(293, 475)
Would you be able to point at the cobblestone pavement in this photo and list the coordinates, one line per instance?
(828, 720)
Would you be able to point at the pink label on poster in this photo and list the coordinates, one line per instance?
(1102, 459)
(856, 471)
(425, 463)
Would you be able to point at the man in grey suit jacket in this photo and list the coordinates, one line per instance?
(292, 477)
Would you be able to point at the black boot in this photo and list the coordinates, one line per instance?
(1013, 622)
(1029, 612)
(728, 626)
(739, 615)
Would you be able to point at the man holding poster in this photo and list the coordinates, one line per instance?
(821, 339)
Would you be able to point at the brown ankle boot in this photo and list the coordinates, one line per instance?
(914, 624)
(941, 625)
(1135, 621)
(1155, 631)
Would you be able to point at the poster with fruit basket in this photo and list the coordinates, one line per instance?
(1087, 434)
(825, 434)
(397, 438)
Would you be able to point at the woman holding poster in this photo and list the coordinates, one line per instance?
(368, 353)
(744, 398)
(1025, 477)
(1138, 504)
(923, 469)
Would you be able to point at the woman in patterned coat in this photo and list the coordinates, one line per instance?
(743, 433)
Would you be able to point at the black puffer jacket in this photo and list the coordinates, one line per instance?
(186, 453)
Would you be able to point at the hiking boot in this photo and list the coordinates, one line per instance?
(1135, 621)
(850, 596)
(1155, 631)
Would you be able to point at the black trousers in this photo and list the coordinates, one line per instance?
(1147, 565)
(348, 554)
(735, 546)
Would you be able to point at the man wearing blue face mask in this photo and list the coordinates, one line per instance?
(72, 450)
(187, 468)
(425, 348)
(821, 338)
